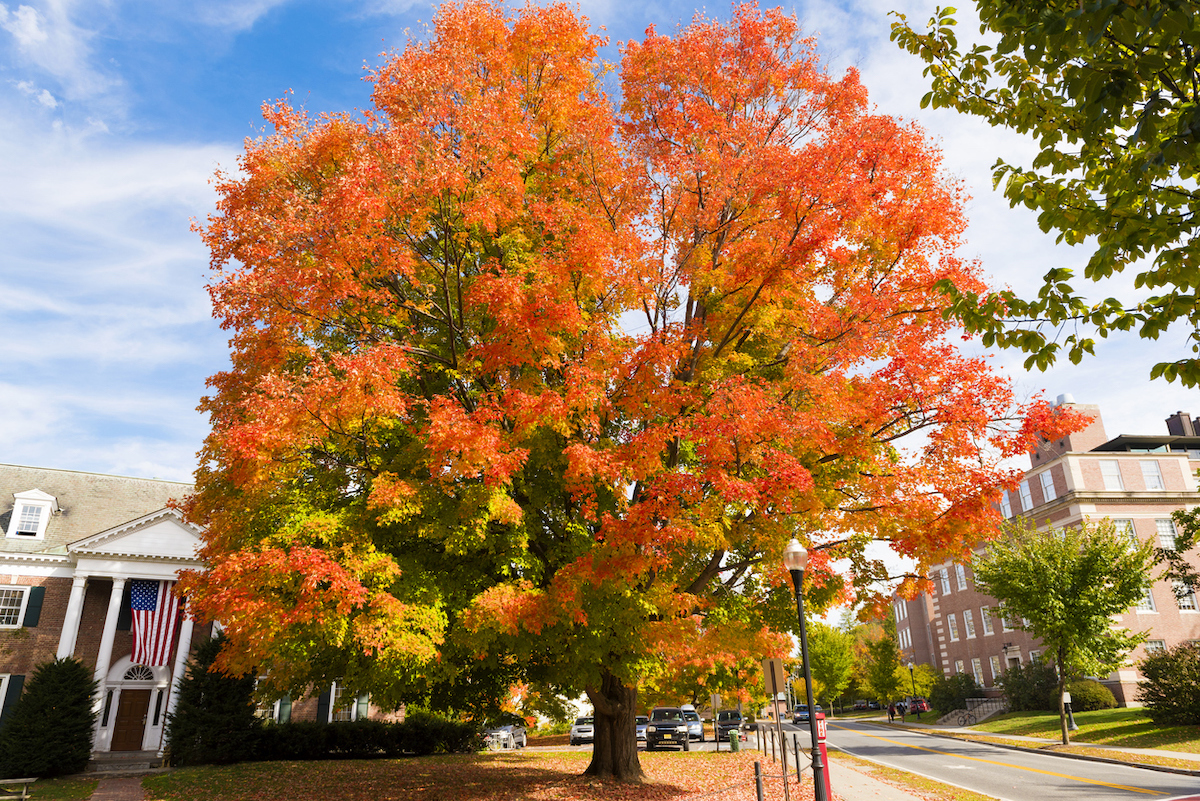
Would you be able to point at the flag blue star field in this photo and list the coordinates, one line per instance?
(155, 613)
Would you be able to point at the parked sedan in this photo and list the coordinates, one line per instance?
(667, 728)
(584, 731)
(640, 722)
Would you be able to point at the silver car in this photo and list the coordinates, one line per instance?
(505, 737)
(695, 724)
(584, 731)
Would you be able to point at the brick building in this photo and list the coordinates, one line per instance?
(1137, 481)
(72, 546)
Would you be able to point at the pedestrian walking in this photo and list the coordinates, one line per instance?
(892, 712)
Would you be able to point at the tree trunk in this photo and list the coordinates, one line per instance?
(1062, 685)
(614, 750)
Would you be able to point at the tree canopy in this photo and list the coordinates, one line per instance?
(831, 659)
(1111, 92)
(1068, 583)
(527, 384)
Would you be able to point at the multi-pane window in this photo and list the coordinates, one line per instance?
(1126, 527)
(30, 518)
(969, 624)
(995, 663)
(1048, 493)
(977, 669)
(901, 611)
(338, 709)
(958, 666)
(1026, 496)
(1147, 602)
(1110, 469)
(1152, 475)
(960, 574)
(1166, 533)
(1185, 597)
(1154, 646)
(1005, 505)
(1004, 621)
(11, 601)
(985, 617)
(944, 575)
(952, 622)
(1035, 656)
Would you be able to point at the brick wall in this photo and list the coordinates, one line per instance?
(23, 649)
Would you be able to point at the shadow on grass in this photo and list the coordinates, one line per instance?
(1119, 728)
(460, 777)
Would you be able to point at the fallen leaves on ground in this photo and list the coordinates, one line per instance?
(553, 776)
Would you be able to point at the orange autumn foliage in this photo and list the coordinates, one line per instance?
(561, 374)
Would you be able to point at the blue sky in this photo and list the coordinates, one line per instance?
(115, 113)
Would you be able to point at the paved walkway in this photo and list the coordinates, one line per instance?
(854, 783)
(126, 789)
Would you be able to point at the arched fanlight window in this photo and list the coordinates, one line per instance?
(139, 673)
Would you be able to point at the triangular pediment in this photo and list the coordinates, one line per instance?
(159, 535)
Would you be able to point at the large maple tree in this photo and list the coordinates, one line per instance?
(531, 383)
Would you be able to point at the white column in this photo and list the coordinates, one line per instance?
(70, 629)
(181, 655)
(104, 657)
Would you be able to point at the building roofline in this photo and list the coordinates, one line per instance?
(103, 475)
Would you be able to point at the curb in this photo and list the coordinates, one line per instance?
(1081, 757)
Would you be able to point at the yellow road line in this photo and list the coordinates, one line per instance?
(1003, 764)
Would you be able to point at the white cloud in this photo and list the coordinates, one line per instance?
(42, 96)
(52, 43)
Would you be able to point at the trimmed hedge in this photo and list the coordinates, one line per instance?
(421, 733)
(951, 692)
(1088, 695)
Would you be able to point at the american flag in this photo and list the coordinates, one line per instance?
(155, 612)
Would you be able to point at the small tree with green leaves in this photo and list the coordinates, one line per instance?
(1029, 687)
(1068, 583)
(214, 721)
(951, 692)
(830, 658)
(882, 665)
(49, 731)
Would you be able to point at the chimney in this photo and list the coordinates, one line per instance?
(1181, 424)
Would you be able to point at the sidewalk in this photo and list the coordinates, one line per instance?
(125, 789)
(854, 783)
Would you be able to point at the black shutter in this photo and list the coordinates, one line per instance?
(15, 685)
(33, 609)
(125, 616)
(323, 706)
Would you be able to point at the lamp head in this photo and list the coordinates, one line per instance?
(911, 666)
(795, 556)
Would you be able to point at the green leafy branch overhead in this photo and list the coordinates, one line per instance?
(1110, 90)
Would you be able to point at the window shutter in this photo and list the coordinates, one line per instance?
(15, 684)
(285, 709)
(363, 709)
(323, 706)
(33, 609)
(125, 616)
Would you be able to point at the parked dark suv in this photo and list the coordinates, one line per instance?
(667, 728)
(728, 720)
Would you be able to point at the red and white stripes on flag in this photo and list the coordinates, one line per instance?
(155, 612)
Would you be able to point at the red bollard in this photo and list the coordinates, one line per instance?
(821, 730)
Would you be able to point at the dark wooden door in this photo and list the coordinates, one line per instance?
(130, 725)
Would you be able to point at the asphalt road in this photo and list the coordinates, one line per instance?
(1000, 772)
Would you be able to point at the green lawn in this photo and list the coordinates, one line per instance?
(63, 789)
(1121, 728)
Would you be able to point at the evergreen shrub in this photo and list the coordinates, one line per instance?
(214, 721)
(1170, 685)
(1088, 695)
(49, 730)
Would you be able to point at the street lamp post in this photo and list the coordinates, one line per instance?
(795, 559)
(914, 688)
